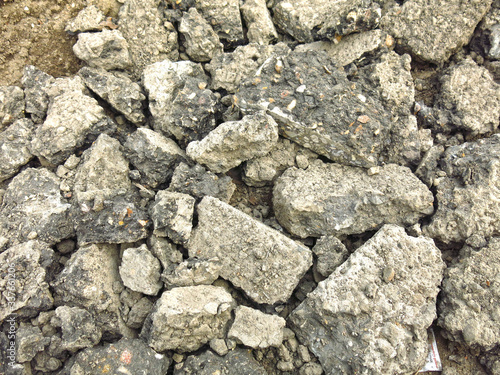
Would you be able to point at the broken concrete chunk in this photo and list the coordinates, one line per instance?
(371, 315)
(78, 327)
(191, 272)
(433, 31)
(186, 318)
(234, 142)
(316, 106)
(73, 119)
(224, 16)
(331, 253)
(11, 105)
(261, 261)
(129, 356)
(29, 341)
(256, 329)
(15, 147)
(428, 167)
(166, 252)
(140, 270)
(236, 362)
(466, 308)
(24, 271)
(118, 90)
(88, 19)
(334, 199)
(259, 22)
(198, 182)
(107, 49)
(154, 155)
(34, 208)
(138, 313)
(201, 41)
(35, 82)
(150, 37)
(172, 215)
(179, 101)
(468, 198)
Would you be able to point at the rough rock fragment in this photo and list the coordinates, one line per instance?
(154, 155)
(107, 49)
(118, 90)
(331, 253)
(33, 207)
(11, 105)
(316, 106)
(224, 16)
(140, 270)
(256, 329)
(234, 142)
(179, 101)
(261, 261)
(198, 182)
(88, 281)
(127, 356)
(428, 168)
(371, 315)
(138, 313)
(468, 199)
(186, 318)
(471, 97)
(166, 251)
(35, 82)
(236, 362)
(191, 272)
(259, 22)
(201, 41)
(29, 341)
(78, 327)
(24, 279)
(73, 119)
(467, 310)
(334, 199)
(150, 38)
(172, 215)
(89, 18)
(434, 30)
(14, 147)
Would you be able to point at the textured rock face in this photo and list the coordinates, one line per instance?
(432, 31)
(140, 270)
(25, 271)
(186, 318)
(468, 197)
(331, 253)
(316, 106)
(335, 199)
(261, 261)
(14, 147)
(233, 142)
(88, 19)
(34, 208)
(78, 327)
(258, 20)
(371, 315)
(11, 105)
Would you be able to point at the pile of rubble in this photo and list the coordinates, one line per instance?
(252, 187)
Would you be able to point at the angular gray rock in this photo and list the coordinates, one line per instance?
(198, 182)
(11, 105)
(89, 18)
(14, 147)
(34, 208)
(179, 101)
(259, 22)
(316, 106)
(236, 362)
(261, 261)
(89, 281)
(331, 253)
(234, 142)
(334, 199)
(73, 119)
(255, 329)
(371, 315)
(24, 271)
(127, 356)
(107, 50)
(468, 198)
(200, 40)
(184, 319)
(433, 31)
(225, 18)
(29, 341)
(166, 251)
(467, 308)
(140, 270)
(150, 37)
(79, 330)
(191, 272)
(35, 82)
(118, 90)
(138, 313)
(154, 155)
